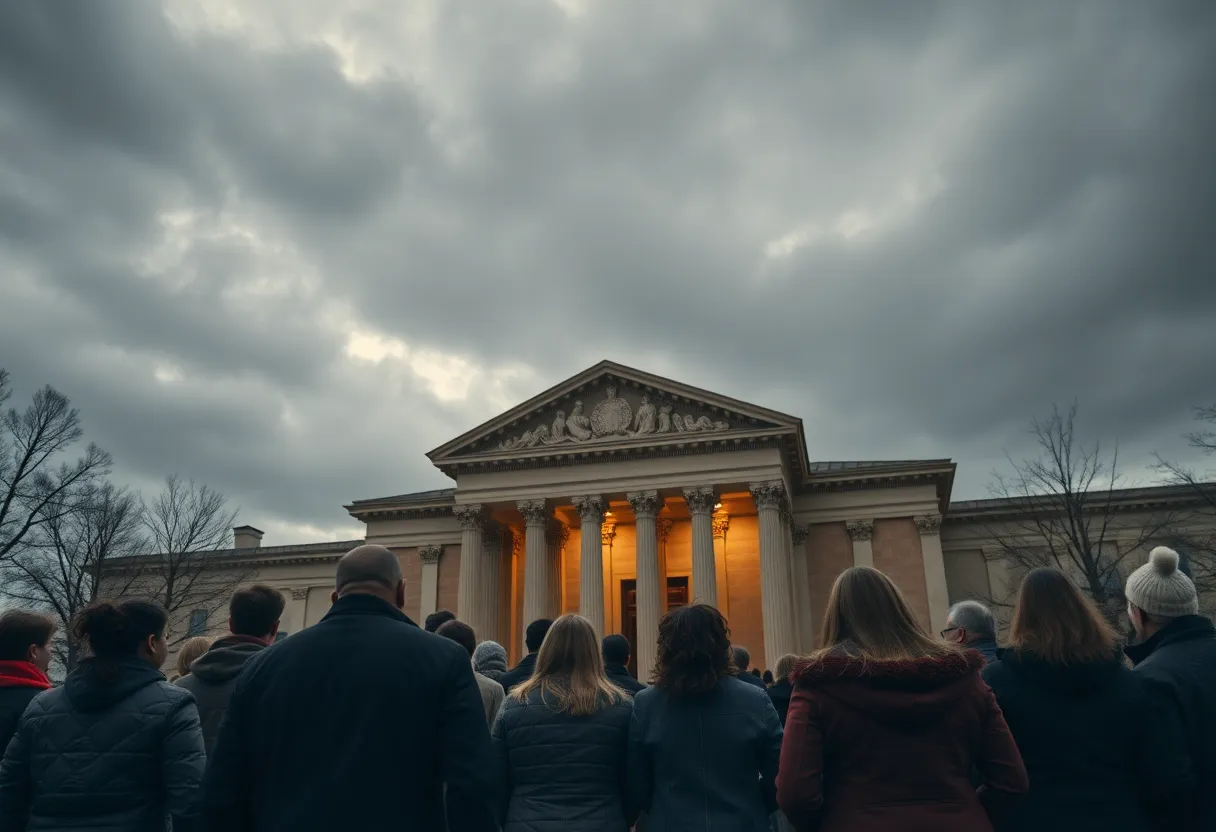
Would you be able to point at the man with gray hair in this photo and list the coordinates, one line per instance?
(358, 722)
(973, 626)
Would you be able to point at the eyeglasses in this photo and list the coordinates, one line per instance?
(948, 630)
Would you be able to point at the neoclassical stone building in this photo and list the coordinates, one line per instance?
(618, 494)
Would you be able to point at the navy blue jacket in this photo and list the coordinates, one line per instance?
(355, 723)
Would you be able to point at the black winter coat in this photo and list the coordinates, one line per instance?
(620, 676)
(780, 694)
(212, 677)
(13, 702)
(356, 723)
(1100, 750)
(559, 772)
(116, 749)
(1180, 661)
(522, 672)
(708, 763)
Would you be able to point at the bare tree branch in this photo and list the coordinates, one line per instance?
(1197, 544)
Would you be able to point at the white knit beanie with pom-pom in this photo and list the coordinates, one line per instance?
(1159, 588)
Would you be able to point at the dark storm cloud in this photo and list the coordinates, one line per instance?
(916, 225)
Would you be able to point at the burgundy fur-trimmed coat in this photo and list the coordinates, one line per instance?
(872, 746)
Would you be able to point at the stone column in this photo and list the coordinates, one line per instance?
(700, 502)
(591, 561)
(796, 604)
(802, 591)
(536, 561)
(607, 536)
(776, 606)
(862, 532)
(663, 529)
(472, 518)
(646, 506)
(556, 535)
(490, 583)
(930, 528)
(429, 596)
(721, 524)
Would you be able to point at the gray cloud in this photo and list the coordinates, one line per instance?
(915, 225)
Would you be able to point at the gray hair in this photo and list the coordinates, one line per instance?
(368, 564)
(973, 617)
(743, 659)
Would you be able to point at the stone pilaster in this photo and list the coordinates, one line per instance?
(802, 591)
(429, 595)
(930, 528)
(490, 583)
(591, 560)
(536, 561)
(472, 518)
(721, 525)
(701, 502)
(646, 506)
(796, 602)
(556, 536)
(775, 599)
(861, 532)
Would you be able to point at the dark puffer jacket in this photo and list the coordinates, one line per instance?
(561, 772)
(1101, 752)
(212, 677)
(115, 749)
(20, 682)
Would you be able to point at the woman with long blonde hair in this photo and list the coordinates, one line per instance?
(560, 739)
(886, 725)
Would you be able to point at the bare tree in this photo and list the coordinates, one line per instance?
(186, 524)
(1064, 511)
(1197, 544)
(61, 568)
(36, 485)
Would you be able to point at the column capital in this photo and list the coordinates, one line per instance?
(646, 504)
(491, 537)
(556, 532)
(663, 529)
(430, 554)
(860, 529)
(299, 593)
(929, 524)
(700, 499)
(768, 494)
(607, 532)
(721, 522)
(470, 515)
(535, 512)
(801, 533)
(590, 507)
(517, 541)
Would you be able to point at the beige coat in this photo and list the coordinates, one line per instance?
(492, 695)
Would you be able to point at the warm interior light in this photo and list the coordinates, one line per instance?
(607, 513)
(717, 506)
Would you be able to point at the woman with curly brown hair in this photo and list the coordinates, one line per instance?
(703, 746)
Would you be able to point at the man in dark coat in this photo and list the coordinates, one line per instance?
(1176, 654)
(253, 621)
(363, 721)
(742, 660)
(534, 637)
(973, 626)
(616, 663)
(25, 655)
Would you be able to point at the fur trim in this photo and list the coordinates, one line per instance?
(833, 667)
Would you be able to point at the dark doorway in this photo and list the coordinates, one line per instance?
(677, 596)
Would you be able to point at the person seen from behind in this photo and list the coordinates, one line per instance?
(253, 622)
(616, 652)
(560, 740)
(972, 626)
(25, 657)
(1175, 652)
(534, 636)
(437, 619)
(491, 692)
(783, 688)
(490, 660)
(703, 744)
(362, 721)
(1101, 753)
(190, 650)
(886, 724)
(743, 659)
(116, 747)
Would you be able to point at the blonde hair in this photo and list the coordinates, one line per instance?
(190, 651)
(570, 670)
(868, 615)
(785, 666)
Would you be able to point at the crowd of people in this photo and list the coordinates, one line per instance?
(367, 721)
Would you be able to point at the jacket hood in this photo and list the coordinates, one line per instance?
(1070, 678)
(97, 685)
(226, 659)
(902, 692)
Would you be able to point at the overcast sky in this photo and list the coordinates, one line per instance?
(286, 247)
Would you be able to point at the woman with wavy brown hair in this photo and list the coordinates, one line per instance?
(886, 725)
(1101, 752)
(703, 746)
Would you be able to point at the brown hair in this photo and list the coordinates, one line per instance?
(868, 615)
(785, 666)
(254, 610)
(1054, 621)
(694, 651)
(20, 630)
(570, 669)
(190, 652)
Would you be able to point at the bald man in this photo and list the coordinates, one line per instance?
(358, 722)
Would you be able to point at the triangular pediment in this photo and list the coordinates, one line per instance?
(613, 406)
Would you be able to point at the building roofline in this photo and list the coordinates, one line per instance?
(1119, 499)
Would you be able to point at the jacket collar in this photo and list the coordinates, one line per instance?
(357, 603)
(930, 671)
(1184, 628)
(614, 669)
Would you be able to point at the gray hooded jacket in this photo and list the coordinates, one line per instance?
(213, 676)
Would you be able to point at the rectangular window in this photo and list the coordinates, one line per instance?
(198, 622)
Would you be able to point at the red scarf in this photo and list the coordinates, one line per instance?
(22, 674)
